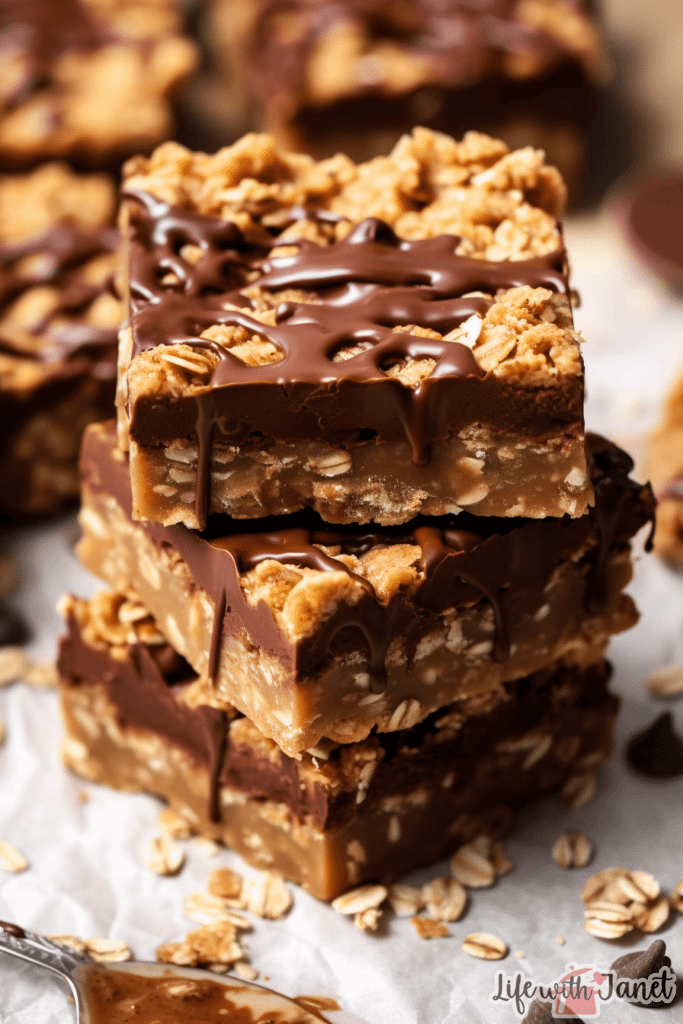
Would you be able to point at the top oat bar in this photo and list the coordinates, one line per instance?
(87, 80)
(374, 341)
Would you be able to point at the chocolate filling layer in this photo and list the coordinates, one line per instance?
(462, 558)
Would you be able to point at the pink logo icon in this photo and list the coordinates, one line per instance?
(578, 993)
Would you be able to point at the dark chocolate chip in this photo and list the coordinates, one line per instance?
(541, 1013)
(12, 929)
(642, 963)
(657, 751)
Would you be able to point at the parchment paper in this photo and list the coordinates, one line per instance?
(86, 875)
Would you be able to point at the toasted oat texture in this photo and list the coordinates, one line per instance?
(97, 91)
(664, 466)
(108, 951)
(619, 900)
(356, 901)
(471, 867)
(164, 856)
(572, 850)
(579, 789)
(268, 896)
(445, 898)
(228, 886)
(406, 900)
(666, 682)
(11, 859)
(215, 943)
(485, 946)
(502, 204)
(428, 928)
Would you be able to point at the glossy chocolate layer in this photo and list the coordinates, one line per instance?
(462, 557)
(359, 290)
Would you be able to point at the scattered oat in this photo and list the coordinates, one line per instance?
(427, 928)
(267, 896)
(405, 900)
(164, 856)
(70, 942)
(502, 865)
(618, 900)
(519, 953)
(572, 850)
(108, 951)
(10, 858)
(174, 824)
(652, 917)
(367, 920)
(206, 846)
(215, 943)
(13, 664)
(666, 682)
(445, 899)
(677, 897)
(484, 946)
(204, 908)
(41, 673)
(472, 868)
(560, 940)
(228, 885)
(365, 897)
(578, 789)
(245, 970)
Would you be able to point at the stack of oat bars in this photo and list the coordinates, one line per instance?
(364, 563)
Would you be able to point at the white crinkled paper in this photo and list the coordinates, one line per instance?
(86, 875)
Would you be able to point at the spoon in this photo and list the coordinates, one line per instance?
(106, 994)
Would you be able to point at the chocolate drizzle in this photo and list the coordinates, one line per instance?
(461, 559)
(359, 290)
(459, 43)
(41, 34)
(60, 254)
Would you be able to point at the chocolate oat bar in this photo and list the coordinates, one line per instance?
(137, 718)
(372, 341)
(87, 80)
(665, 467)
(58, 327)
(313, 630)
(352, 76)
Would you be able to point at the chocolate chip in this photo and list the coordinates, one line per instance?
(642, 963)
(657, 751)
(541, 1013)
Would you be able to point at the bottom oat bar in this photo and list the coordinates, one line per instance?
(137, 718)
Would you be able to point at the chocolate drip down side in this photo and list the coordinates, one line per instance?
(499, 559)
(329, 348)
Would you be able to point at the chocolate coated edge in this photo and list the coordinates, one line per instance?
(145, 699)
(463, 557)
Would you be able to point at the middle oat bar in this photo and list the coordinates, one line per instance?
(315, 631)
(372, 341)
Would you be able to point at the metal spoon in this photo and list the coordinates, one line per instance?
(76, 970)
